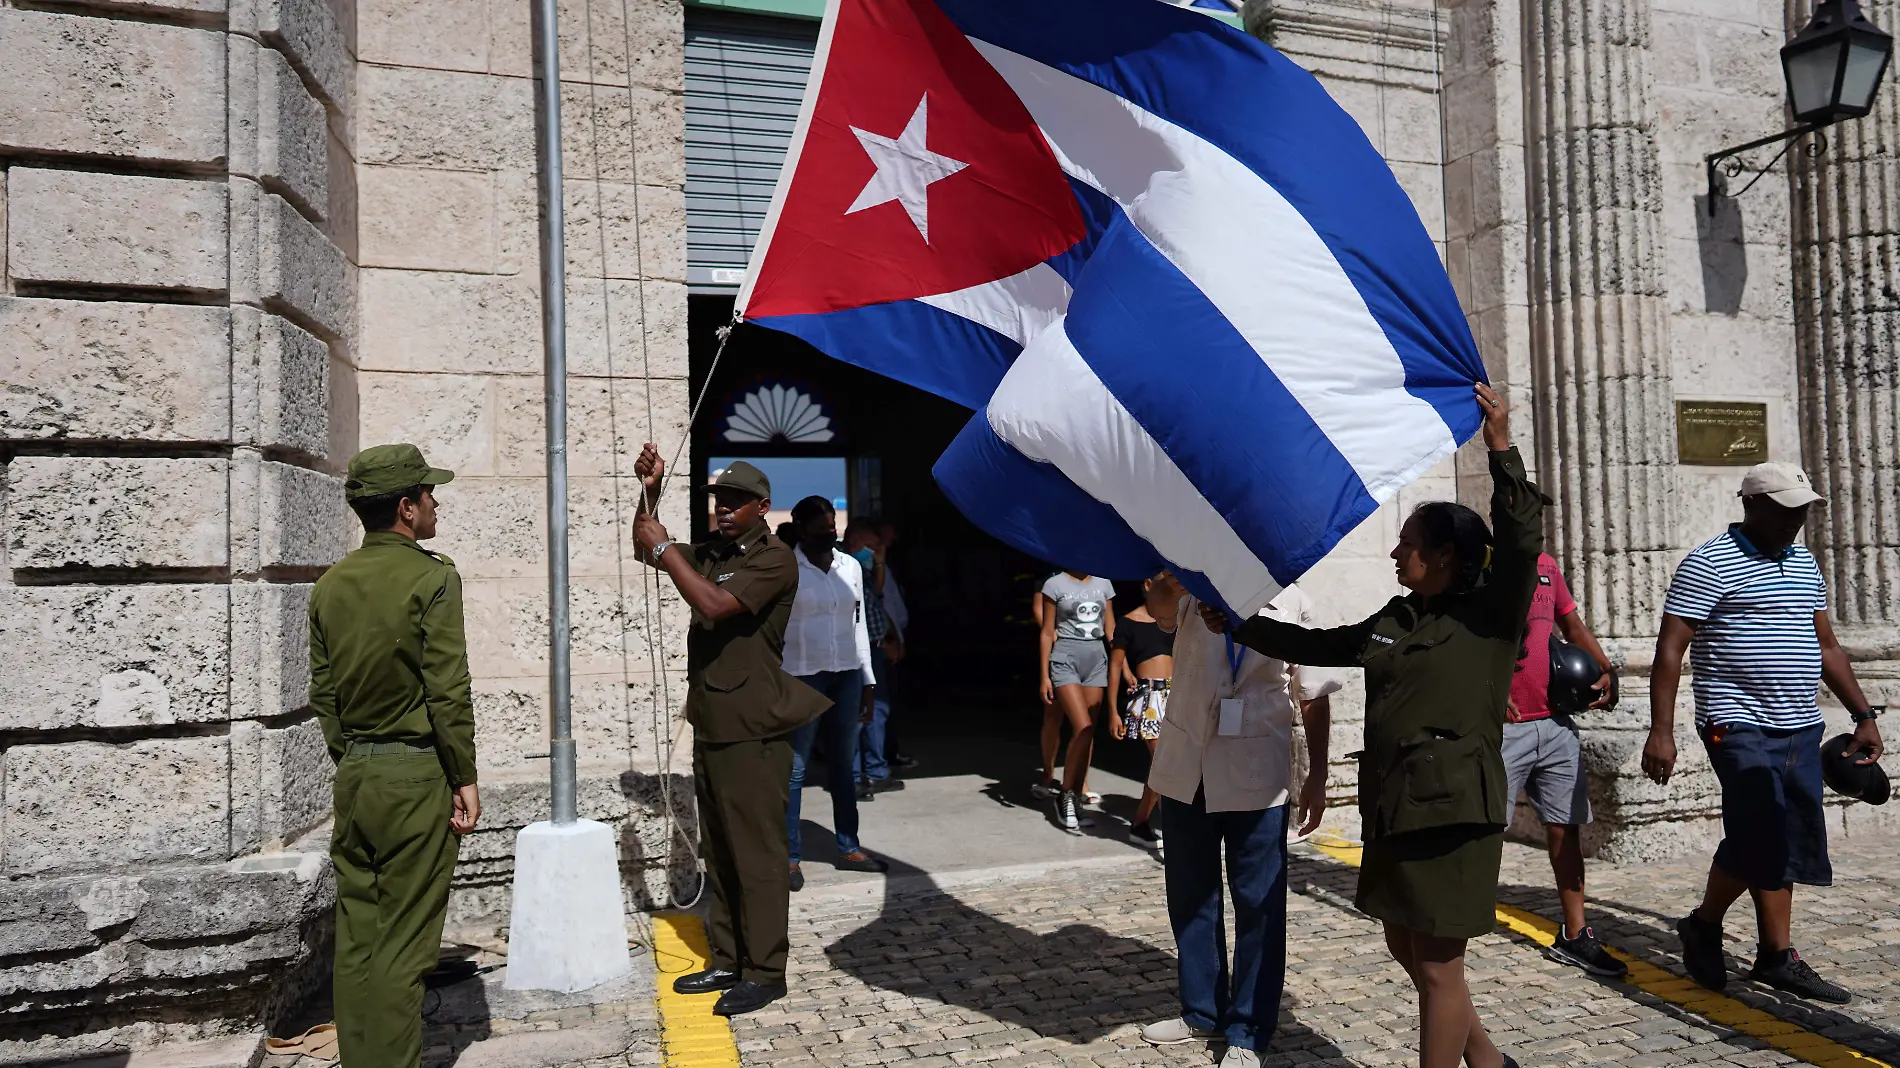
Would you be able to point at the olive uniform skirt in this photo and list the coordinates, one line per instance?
(1442, 881)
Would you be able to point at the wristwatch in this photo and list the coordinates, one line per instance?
(660, 550)
(1873, 712)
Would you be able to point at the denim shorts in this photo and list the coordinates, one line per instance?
(1774, 832)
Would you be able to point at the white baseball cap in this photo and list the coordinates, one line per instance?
(1784, 483)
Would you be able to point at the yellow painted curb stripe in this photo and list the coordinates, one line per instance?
(1784, 1035)
(690, 1035)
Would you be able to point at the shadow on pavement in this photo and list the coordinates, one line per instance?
(1615, 925)
(1077, 983)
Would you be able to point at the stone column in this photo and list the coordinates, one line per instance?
(1599, 330)
(1846, 236)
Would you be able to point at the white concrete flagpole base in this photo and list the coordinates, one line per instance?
(568, 928)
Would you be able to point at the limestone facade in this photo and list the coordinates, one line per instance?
(451, 359)
(176, 333)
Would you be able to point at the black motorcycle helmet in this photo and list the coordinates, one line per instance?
(1572, 674)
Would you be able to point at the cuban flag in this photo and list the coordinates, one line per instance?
(1200, 324)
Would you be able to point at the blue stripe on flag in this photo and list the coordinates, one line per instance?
(953, 357)
(1035, 508)
(1273, 117)
(1218, 411)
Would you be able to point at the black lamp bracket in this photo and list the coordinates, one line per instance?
(1736, 165)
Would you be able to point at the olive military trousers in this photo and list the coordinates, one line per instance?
(393, 852)
(743, 788)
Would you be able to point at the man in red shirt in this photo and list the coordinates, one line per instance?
(1543, 756)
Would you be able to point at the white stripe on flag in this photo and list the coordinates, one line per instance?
(1052, 408)
(1254, 256)
(1017, 307)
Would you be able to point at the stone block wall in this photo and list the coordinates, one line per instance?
(177, 309)
(451, 359)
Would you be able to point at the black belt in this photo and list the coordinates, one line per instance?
(385, 749)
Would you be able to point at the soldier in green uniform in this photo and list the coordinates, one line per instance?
(743, 708)
(389, 684)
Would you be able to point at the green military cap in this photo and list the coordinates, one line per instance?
(384, 469)
(743, 476)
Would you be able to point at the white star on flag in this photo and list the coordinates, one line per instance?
(905, 170)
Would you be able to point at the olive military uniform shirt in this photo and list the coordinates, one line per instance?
(388, 659)
(1438, 673)
(737, 686)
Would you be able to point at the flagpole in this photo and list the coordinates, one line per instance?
(567, 923)
(561, 768)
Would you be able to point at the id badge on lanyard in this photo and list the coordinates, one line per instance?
(1230, 705)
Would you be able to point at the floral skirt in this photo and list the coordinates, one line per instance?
(1144, 710)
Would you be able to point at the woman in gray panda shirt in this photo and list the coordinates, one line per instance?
(1076, 629)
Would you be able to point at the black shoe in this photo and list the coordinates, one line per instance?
(1702, 951)
(1584, 951)
(798, 879)
(1787, 971)
(1144, 832)
(748, 997)
(869, 863)
(902, 760)
(706, 982)
(865, 793)
(885, 786)
(1510, 1061)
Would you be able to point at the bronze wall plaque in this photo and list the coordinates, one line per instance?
(1721, 433)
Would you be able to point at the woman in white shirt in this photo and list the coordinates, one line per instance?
(828, 648)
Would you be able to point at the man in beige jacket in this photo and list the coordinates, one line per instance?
(1223, 767)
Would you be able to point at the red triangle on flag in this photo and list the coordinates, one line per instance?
(917, 171)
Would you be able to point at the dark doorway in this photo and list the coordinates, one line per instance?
(967, 692)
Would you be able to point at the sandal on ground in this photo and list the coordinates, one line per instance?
(318, 1042)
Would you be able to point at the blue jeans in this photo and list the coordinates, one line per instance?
(871, 763)
(840, 724)
(1243, 1004)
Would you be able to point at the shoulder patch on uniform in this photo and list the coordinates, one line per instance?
(725, 576)
(1382, 638)
(1543, 580)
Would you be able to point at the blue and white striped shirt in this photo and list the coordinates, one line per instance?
(1756, 657)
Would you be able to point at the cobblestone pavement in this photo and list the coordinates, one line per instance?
(1062, 968)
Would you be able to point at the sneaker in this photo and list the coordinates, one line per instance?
(885, 786)
(1066, 814)
(902, 759)
(1239, 1057)
(1145, 831)
(1702, 951)
(1043, 791)
(1584, 951)
(1174, 1032)
(1787, 971)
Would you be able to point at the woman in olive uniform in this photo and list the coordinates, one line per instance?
(1438, 665)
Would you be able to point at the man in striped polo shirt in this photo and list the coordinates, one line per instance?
(1750, 607)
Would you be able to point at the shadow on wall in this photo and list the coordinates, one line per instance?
(658, 853)
(927, 944)
(1719, 238)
